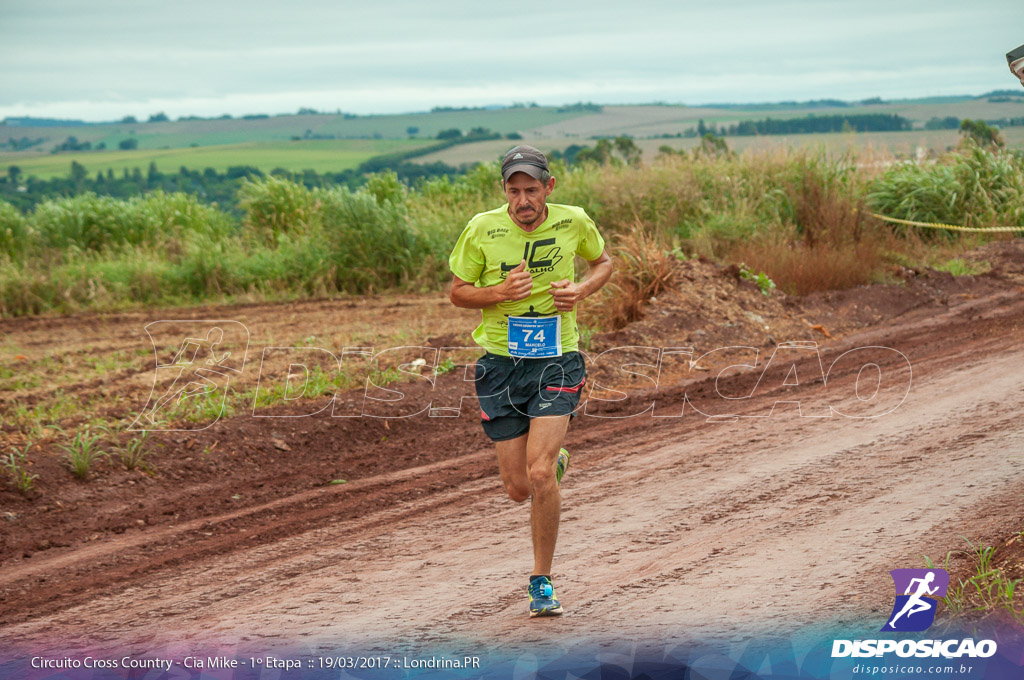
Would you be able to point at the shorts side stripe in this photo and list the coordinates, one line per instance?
(567, 389)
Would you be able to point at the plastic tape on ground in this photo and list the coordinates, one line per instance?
(939, 225)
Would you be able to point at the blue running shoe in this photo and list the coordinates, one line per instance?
(563, 464)
(542, 597)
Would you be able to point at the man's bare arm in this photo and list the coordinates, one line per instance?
(516, 286)
(568, 294)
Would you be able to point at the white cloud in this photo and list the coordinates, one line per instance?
(106, 59)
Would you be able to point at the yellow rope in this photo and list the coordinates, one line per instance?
(939, 225)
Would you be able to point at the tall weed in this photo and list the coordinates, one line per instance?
(644, 268)
(15, 233)
(274, 207)
(973, 187)
(796, 215)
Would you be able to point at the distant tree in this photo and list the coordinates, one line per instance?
(570, 153)
(306, 111)
(578, 107)
(153, 175)
(864, 122)
(980, 132)
(72, 144)
(412, 130)
(607, 152)
(226, 116)
(238, 171)
(110, 174)
(14, 172)
(744, 127)
(101, 146)
(628, 150)
(129, 120)
(947, 123)
(513, 136)
(23, 143)
(78, 172)
(712, 145)
(452, 133)
(600, 153)
(702, 129)
(158, 118)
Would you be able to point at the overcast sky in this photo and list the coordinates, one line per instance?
(104, 59)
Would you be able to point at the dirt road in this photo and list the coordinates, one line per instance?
(672, 528)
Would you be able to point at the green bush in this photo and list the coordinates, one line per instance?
(275, 207)
(179, 217)
(15, 234)
(385, 186)
(975, 187)
(373, 246)
(101, 223)
(92, 252)
(85, 222)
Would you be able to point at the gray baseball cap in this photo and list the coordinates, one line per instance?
(524, 158)
(1015, 58)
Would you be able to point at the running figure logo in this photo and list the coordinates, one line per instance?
(200, 367)
(914, 609)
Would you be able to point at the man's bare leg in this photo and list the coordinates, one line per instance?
(512, 464)
(545, 439)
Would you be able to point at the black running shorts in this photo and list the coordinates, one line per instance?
(512, 391)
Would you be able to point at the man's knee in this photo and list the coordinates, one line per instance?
(541, 474)
(517, 492)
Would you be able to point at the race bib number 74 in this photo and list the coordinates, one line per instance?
(535, 337)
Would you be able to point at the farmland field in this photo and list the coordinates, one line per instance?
(646, 121)
(904, 143)
(319, 155)
(184, 133)
(346, 141)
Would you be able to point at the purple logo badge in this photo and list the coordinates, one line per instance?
(917, 593)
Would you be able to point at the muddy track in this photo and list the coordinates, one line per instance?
(672, 527)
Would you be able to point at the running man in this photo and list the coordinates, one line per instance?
(915, 604)
(516, 265)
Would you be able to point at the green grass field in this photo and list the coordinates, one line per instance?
(283, 128)
(319, 155)
(265, 142)
(904, 143)
(650, 121)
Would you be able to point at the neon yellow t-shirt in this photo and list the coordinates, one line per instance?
(492, 244)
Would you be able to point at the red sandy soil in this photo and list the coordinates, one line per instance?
(672, 527)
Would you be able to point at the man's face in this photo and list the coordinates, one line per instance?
(527, 198)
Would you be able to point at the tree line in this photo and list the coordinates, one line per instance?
(209, 185)
(861, 122)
